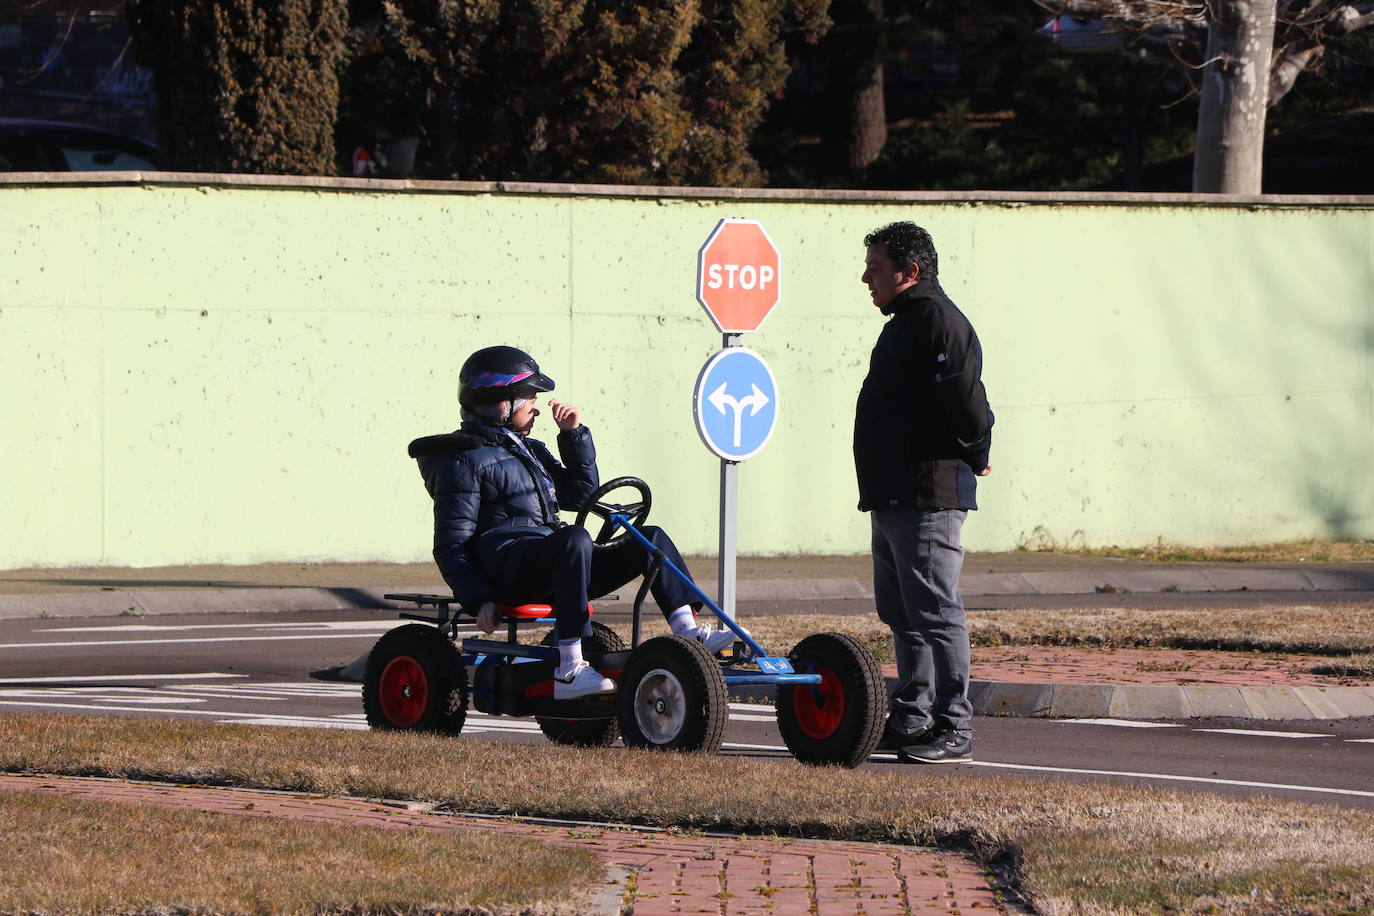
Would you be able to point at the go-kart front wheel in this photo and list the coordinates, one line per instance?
(672, 697)
(839, 720)
(415, 680)
(585, 732)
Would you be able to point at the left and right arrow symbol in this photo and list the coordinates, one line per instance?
(755, 401)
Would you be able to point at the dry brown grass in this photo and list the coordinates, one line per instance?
(1320, 630)
(1344, 630)
(1309, 551)
(1361, 665)
(1074, 848)
(78, 856)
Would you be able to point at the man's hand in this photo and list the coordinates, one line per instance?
(985, 471)
(566, 415)
(486, 618)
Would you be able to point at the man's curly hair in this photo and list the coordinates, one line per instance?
(907, 243)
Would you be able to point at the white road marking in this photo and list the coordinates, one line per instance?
(1360, 740)
(83, 693)
(117, 677)
(1258, 733)
(299, 723)
(174, 712)
(1120, 723)
(1167, 777)
(168, 642)
(369, 625)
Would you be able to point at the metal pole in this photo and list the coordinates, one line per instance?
(729, 497)
(729, 501)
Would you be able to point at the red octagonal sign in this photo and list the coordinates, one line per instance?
(739, 272)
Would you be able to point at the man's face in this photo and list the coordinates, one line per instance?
(522, 420)
(883, 279)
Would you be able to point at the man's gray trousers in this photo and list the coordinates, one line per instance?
(916, 562)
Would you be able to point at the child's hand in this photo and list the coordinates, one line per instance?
(566, 415)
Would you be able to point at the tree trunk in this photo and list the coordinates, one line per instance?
(868, 122)
(1235, 93)
(855, 48)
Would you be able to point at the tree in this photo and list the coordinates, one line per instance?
(654, 91)
(1253, 51)
(243, 85)
(855, 48)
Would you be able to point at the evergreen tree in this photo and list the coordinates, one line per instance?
(650, 92)
(243, 85)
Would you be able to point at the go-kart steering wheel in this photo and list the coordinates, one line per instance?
(595, 505)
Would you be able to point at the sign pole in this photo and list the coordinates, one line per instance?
(729, 502)
(739, 278)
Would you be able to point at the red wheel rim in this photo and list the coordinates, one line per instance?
(404, 692)
(819, 708)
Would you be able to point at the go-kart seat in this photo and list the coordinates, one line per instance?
(506, 611)
(528, 611)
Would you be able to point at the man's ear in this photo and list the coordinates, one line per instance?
(911, 274)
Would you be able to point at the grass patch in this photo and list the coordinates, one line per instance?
(1344, 630)
(1308, 551)
(1313, 629)
(1073, 848)
(1361, 665)
(81, 856)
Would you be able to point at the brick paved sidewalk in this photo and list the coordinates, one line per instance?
(674, 873)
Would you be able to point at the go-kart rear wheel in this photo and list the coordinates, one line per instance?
(839, 720)
(585, 732)
(672, 697)
(415, 680)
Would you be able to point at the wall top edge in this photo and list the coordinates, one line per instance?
(531, 188)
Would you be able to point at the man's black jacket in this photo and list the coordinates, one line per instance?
(922, 426)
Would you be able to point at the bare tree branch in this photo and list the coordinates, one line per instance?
(1352, 17)
(1306, 28)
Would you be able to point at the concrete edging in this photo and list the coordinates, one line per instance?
(116, 601)
(1166, 701)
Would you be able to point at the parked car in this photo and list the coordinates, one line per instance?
(51, 146)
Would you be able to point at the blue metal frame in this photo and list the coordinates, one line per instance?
(772, 669)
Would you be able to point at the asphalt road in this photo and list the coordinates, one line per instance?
(256, 669)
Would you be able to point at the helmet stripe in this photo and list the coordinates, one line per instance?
(498, 380)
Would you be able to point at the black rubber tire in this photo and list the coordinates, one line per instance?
(672, 697)
(410, 660)
(839, 721)
(585, 732)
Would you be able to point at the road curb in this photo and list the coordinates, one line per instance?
(113, 601)
(153, 602)
(1165, 701)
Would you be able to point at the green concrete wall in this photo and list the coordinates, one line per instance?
(213, 372)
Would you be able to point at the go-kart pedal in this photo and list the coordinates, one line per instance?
(715, 641)
(580, 680)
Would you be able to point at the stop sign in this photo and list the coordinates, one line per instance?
(739, 272)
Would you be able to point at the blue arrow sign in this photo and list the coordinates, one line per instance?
(735, 404)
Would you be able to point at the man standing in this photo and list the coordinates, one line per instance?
(922, 433)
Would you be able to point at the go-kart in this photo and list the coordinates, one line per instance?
(671, 693)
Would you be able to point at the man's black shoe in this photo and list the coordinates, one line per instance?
(941, 746)
(893, 739)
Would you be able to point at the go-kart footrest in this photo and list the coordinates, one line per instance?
(475, 646)
(755, 678)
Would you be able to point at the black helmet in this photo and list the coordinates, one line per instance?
(495, 374)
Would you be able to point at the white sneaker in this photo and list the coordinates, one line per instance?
(715, 641)
(581, 680)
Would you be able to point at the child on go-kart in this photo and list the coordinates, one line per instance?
(497, 534)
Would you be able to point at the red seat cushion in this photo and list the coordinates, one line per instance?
(528, 611)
